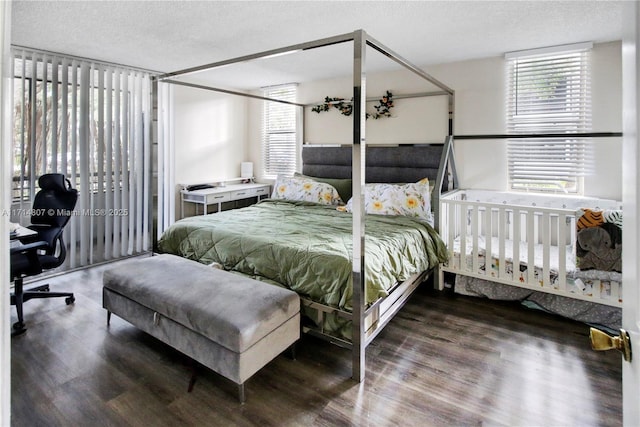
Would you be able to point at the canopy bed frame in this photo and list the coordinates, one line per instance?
(367, 321)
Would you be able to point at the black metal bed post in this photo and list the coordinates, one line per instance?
(358, 338)
(452, 106)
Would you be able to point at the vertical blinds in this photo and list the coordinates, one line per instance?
(279, 129)
(548, 93)
(166, 154)
(90, 122)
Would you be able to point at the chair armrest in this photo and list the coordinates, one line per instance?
(39, 227)
(29, 247)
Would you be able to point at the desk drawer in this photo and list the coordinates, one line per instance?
(241, 194)
(193, 197)
(262, 191)
(218, 198)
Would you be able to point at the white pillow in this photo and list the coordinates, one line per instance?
(413, 200)
(307, 190)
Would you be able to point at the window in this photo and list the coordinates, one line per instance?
(549, 92)
(90, 122)
(279, 150)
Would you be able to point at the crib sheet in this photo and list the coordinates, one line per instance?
(604, 284)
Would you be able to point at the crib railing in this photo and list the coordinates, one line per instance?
(530, 246)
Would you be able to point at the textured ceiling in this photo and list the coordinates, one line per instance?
(172, 35)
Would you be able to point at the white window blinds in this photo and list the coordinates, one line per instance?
(279, 150)
(166, 154)
(548, 93)
(90, 122)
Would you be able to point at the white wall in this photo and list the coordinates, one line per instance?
(413, 120)
(479, 109)
(604, 178)
(210, 136)
(5, 185)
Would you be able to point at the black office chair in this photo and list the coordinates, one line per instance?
(53, 206)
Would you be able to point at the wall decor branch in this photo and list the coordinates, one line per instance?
(345, 107)
(383, 107)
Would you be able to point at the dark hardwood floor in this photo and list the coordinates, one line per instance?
(444, 360)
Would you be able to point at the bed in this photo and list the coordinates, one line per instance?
(561, 254)
(307, 246)
(368, 312)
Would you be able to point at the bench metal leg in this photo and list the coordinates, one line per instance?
(291, 351)
(241, 396)
(194, 375)
(108, 317)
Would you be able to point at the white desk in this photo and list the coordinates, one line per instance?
(219, 195)
(23, 234)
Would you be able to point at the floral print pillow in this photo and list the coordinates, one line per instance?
(306, 190)
(413, 200)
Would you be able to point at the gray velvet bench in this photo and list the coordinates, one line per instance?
(231, 324)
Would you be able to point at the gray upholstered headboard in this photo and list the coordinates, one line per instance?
(397, 164)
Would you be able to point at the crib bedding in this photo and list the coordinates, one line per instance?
(600, 315)
(585, 282)
(307, 247)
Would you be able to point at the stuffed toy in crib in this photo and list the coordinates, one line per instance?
(599, 240)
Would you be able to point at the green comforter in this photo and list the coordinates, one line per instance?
(307, 247)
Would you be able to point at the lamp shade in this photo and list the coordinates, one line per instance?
(246, 170)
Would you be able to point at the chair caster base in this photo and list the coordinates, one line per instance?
(70, 300)
(42, 288)
(18, 329)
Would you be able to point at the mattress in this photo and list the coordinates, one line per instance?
(307, 247)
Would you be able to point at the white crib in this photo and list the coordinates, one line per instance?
(485, 231)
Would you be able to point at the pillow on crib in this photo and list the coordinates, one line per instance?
(305, 190)
(413, 200)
